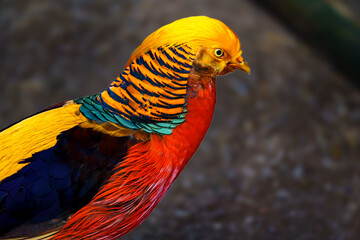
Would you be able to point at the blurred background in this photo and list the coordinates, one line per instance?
(281, 157)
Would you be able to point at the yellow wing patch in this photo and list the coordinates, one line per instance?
(34, 134)
(39, 132)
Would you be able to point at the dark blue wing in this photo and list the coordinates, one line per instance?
(60, 180)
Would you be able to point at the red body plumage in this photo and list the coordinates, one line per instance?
(142, 179)
(95, 167)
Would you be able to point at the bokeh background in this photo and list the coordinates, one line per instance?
(281, 157)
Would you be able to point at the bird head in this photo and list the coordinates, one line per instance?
(215, 46)
(166, 69)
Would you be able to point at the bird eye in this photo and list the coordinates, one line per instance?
(218, 52)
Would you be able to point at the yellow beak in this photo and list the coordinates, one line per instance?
(243, 66)
(237, 64)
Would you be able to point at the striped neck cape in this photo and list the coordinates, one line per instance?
(149, 95)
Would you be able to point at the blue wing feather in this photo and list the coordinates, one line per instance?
(60, 180)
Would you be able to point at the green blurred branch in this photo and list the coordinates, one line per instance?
(324, 24)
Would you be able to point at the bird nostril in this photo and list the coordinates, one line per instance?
(240, 60)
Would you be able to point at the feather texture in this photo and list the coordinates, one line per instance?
(144, 176)
(101, 163)
(33, 135)
(56, 182)
(194, 32)
(149, 94)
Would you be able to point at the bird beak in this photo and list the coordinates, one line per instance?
(242, 65)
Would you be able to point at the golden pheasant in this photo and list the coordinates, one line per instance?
(95, 167)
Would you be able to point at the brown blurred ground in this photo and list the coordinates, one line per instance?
(281, 158)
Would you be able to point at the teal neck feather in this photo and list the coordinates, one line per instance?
(94, 110)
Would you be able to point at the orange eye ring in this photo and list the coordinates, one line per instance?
(218, 52)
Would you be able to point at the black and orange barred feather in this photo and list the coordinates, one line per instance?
(149, 94)
(106, 160)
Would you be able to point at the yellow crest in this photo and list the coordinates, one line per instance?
(194, 32)
(151, 92)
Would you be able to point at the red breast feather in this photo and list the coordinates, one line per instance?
(148, 170)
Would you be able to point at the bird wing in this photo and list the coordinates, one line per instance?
(34, 134)
(39, 132)
(52, 164)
